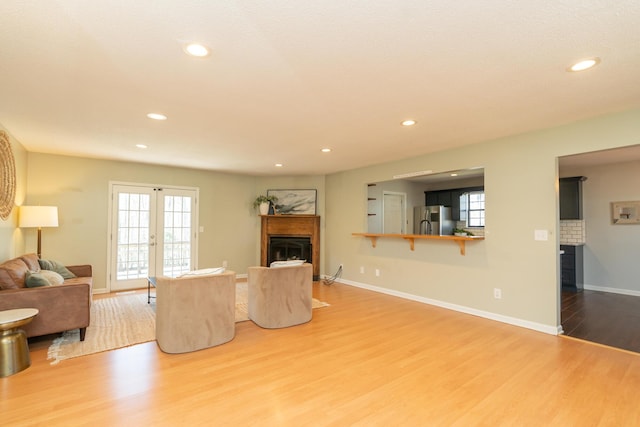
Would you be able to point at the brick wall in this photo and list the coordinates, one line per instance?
(572, 232)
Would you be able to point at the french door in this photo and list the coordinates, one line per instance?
(152, 232)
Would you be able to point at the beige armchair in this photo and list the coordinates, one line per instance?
(195, 312)
(280, 297)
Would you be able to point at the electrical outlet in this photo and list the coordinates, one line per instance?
(497, 293)
(361, 269)
(377, 272)
(224, 263)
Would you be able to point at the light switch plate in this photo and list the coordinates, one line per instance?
(541, 235)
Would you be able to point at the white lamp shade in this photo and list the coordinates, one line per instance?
(38, 216)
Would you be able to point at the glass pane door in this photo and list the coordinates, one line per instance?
(152, 234)
(176, 256)
(132, 237)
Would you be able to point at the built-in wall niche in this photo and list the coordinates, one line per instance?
(413, 186)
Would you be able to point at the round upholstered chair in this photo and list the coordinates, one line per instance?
(280, 297)
(195, 312)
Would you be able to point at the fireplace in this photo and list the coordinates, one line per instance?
(294, 236)
(285, 248)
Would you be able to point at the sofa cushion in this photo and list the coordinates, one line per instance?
(32, 261)
(78, 280)
(12, 274)
(36, 280)
(57, 267)
(52, 277)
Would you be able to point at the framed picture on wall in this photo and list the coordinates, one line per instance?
(625, 212)
(294, 202)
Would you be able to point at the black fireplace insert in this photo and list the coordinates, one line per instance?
(285, 248)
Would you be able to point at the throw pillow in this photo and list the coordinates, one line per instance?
(57, 267)
(35, 280)
(203, 272)
(289, 263)
(53, 277)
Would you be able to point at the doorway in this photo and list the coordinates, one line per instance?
(152, 232)
(606, 310)
(394, 212)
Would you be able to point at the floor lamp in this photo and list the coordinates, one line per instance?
(38, 216)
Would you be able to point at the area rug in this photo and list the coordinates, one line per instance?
(125, 320)
(242, 310)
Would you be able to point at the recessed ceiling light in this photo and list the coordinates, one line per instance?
(156, 116)
(408, 122)
(278, 165)
(197, 50)
(584, 64)
(141, 146)
(454, 174)
(326, 150)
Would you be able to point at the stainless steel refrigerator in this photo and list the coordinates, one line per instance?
(435, 220)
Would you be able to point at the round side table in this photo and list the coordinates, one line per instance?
(14, 350)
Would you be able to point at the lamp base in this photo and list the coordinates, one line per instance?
(39, 243)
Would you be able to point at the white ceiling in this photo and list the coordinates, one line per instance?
(289, 77)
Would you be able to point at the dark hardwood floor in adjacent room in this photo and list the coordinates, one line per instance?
(603, 318)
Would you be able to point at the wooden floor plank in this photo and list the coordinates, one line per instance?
(602, 317)
(368, 359)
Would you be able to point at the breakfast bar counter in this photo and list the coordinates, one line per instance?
(460, 240)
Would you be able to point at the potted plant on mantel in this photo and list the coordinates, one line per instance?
(263, 203)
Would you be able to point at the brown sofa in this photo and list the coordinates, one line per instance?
(61, 307)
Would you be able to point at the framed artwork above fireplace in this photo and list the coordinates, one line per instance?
(294, 202)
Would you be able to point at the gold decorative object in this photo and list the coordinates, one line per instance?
(14, 348)
(7, 177)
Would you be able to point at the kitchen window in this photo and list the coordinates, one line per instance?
(472, 208)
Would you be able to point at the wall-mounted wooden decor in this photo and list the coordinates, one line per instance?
(7, 177)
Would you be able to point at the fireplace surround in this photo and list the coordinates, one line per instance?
(289, 232)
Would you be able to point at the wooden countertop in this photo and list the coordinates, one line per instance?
(460, 240)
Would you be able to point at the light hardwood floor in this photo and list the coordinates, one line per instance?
(367, 360)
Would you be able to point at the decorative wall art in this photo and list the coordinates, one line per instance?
(7, 177)
(294, 202)
(625, 212)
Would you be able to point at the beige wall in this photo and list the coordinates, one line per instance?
(80, 186)
(11, 237)
(521, 196)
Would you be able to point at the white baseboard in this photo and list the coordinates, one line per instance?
(557, 330)
(612, 290)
